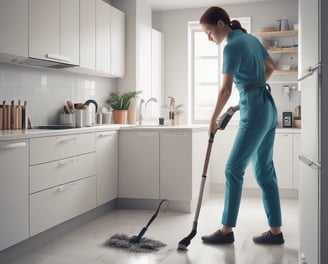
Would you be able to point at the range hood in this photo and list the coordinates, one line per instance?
(52, 61)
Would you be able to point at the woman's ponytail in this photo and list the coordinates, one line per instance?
(235, 24)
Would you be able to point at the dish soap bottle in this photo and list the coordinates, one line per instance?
(171, 111)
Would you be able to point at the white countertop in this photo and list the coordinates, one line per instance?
(35, 133)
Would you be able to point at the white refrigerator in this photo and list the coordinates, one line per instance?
(313, 73)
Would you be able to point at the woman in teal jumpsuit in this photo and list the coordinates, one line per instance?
(247, 64)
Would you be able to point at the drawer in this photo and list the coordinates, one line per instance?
(56, 205)
(55, 148)
(50, 174)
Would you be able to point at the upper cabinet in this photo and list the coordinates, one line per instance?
(283, 47)
(86, 33)
(54, 30)
(117, 42)
(110, 40)
(14, 27)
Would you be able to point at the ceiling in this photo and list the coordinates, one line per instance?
(159, 5)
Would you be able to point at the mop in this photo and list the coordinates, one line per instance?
(221, 123)
(137, 243)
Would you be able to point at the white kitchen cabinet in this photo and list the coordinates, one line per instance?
(47, 149)
(117, 42)
(14, 27)
(88, 34)
(54, 30)
(13, 192)
(296, 161)
(107, 166)
(139, 165)
(54, 173)
(58, 204)
(103, 37)
(283, 160)
(62, 179)
(182, 155)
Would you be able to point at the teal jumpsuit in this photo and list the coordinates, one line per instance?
(244, 56)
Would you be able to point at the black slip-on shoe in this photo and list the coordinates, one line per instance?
(219, 238)
(267, 238)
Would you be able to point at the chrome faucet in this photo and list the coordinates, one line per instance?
(152, 99)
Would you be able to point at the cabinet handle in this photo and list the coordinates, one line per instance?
(60, 188)
(58, 57)
(62, 140)
(107, 134)
(65, 162)
(15, 145)
(175, 134)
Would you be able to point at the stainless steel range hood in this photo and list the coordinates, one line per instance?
(52, 61)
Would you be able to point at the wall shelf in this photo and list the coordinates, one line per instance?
(283, 50)
(285, 72)
(286, 33)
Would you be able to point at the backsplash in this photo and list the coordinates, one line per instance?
(46, 91)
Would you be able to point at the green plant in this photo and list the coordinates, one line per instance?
(118, 101)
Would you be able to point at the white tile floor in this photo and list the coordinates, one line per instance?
(85, 244)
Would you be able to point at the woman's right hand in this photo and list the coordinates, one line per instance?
(212, 126)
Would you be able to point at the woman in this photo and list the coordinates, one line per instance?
(249, 66)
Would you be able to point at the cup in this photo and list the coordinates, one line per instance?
(67, 119)
(79, 117)
(161, 121)
(284, 25)
(107, 118)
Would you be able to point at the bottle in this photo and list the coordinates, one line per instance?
(171, 111)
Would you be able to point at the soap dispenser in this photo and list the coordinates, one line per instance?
(171, 111)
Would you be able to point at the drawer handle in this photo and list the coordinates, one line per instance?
(63, 140)
(60, 188)
(15, 145)
(106, 134)
(65, 162)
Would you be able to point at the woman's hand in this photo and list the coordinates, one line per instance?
(212, 127)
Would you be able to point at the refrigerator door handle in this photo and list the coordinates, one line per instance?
(309, 162)
(310, 71)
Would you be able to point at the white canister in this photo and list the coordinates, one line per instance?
(79, 117)
(67, 119)
(107, 118)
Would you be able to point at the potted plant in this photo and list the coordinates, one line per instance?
(120, 104)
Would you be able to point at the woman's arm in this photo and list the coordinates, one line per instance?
(223, 97)
(269, 67)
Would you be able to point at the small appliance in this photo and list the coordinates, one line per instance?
(287, 118)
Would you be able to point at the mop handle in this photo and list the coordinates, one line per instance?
(156, 213)
(202, 185)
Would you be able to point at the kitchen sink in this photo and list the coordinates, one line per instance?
(55, 127)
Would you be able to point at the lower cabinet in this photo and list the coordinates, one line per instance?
(139, 165)
(161, 165)
(107, 166)
(58, 204)
(13, 192)
(63, 181)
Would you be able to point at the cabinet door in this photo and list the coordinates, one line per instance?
(14, 27)
(117, 45)
(13, 192)
(70, 30)
(107, 166)
(176, 166)
(103, 37)
(88, 34)
(54, 30)
(296, 161)
(139, 165)
(43, 28)
(56, 205)
(283, 160)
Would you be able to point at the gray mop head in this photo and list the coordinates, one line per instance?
(144, 245)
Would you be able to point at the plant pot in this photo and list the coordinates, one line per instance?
(120, 116)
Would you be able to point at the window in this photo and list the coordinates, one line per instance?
(205, 73)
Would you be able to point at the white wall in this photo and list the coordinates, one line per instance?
(173, 24)
(46, 91)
